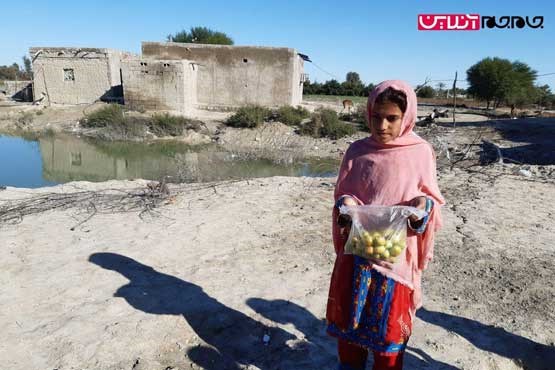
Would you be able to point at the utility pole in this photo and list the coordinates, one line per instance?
(454, 97)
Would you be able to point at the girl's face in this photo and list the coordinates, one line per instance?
(385, 123)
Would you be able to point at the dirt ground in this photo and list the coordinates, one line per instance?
(198, 282)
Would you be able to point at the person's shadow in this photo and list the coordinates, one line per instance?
(531, 355)
(231, 337)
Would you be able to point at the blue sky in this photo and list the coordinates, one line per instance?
(377, 39)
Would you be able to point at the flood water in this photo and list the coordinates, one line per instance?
(51, 160)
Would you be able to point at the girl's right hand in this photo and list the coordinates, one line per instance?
(344, 221)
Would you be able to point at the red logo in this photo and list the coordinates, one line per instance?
(448, 22)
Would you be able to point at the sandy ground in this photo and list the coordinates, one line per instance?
(198, 282)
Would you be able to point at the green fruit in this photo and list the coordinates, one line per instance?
(396, 250)
(380, 241)
(367, 240)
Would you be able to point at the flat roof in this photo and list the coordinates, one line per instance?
(213, 46)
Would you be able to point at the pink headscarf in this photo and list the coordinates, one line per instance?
(393, 174)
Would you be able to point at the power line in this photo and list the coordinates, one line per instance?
(323, 70)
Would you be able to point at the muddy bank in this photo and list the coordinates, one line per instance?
(273, 140)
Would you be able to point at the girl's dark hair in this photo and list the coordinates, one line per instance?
(393, 96)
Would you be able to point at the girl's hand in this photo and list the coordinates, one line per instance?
(343, 220)
(344, 232)
(418, 202)
(348, 201)
(381, 263)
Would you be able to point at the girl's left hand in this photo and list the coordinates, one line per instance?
(381, 263)
(418, 202)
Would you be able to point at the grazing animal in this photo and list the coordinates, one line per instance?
(513, 111)
(347, 104)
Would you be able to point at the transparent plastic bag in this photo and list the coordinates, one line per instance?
(378, 232)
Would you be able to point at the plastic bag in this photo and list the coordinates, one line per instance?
(378, 232)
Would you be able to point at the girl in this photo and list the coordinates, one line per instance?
(371, 306)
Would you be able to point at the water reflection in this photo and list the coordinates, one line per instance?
(66, 158)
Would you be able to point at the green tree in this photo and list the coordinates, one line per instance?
(460, 91)
(332, 87)
(425, 92)
(10, 72)
(201, 35)
(522, 90)
(14, 72)
(310, 88)
(368, 89)
(498, 80)
(352, 85)
(544, 96)
(353, 77)
(27, 65)
(489, 79)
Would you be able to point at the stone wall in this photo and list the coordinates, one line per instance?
(297, 81)
(75, 75)
(232, 76)
(169, 76)
(17, 90)
(168, 85)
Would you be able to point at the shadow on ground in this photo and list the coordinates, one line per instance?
(233, 340)
(525, 352)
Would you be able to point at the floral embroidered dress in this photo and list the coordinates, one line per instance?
(380, 319)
